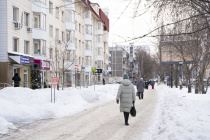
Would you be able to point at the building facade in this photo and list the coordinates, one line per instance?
(64, 38)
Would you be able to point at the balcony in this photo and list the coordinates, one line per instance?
(39, 7)
(88, 37)
(88, 21)
(88, 68)
(100, 57)
(70, 5)
(70, 26)
(88, 53)
(39, 34)
(106, 38)
(71, 47)
(100, 32)
(100, 45)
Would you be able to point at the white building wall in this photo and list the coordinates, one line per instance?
(3, 31)
(22, 34)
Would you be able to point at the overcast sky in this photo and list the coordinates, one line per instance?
(126, 27)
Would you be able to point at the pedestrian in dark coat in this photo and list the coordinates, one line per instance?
(16, 79)
(126, 95)
(103, 81)
(146, 84)
(140, 88)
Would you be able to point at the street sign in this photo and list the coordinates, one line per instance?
(35, 67)
(54, 80)
(99, 70)
(93, 69)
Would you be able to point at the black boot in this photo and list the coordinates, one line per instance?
(126, 116)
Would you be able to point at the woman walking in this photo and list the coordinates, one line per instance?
(140, 88)
(126, 95)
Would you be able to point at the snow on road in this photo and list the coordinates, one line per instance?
(102, 122)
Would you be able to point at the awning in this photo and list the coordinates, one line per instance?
(25, 60)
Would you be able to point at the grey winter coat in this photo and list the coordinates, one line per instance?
(140, 86)
(126, 95)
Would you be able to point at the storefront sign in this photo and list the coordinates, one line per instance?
(106, 73)
(25, 60)
(43, 64)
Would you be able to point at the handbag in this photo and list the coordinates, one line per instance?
(133, 111)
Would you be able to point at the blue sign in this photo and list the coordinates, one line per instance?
(106, 73)
(25, 60)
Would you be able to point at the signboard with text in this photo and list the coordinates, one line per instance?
(54, 80)
(25, 60)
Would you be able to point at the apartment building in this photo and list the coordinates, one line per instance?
(63, 37)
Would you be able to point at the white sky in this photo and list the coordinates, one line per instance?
(126, 27)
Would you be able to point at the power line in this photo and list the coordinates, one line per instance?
(122, 13)
(145, 35)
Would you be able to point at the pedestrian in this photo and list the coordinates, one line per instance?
(16, 79)
(180, 84)
(153, 84)
(126, 96)
(146, 84)
(103, 81)
(140, 88)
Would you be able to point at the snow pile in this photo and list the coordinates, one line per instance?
(180, 115)
(24, 105)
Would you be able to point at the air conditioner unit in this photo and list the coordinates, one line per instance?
(29, 29)
(18, 25)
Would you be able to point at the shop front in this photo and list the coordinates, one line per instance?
(44, 70)
(21, 65)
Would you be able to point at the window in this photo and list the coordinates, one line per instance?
(79, 60)
(88, 45)
(79, 44)
(15, 44)
(56, 33)
(63, 17)
(83, 30)
(51, 30)
(99, 25)
(99, 38)
(15, 14)
(79, 27)
(83, 47)
(88, 29)
(36, 21)
(26, 47)
(87, 14)
(36, 47)
(39, 20)
(63, 36)
(57, 12)
(43, 47)
(51, 7)
(82, 61)
(75, 42)
(76, 25)
(68, 56)
(70, 16)
(26, 19)
(51, 53)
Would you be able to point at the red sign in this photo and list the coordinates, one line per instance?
(54, 80)
(43, 64)
(76, 67)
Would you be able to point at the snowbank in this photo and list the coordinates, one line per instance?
(24, 105)
(180, 115)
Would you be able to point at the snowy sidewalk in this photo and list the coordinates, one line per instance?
(100, 122)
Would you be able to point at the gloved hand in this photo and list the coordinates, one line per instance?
(117, 101)
(133, 102)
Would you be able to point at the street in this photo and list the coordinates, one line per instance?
(100, 122)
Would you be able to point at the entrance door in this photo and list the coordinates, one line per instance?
(25, 82)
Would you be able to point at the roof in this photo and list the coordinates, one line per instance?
(101, 15)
